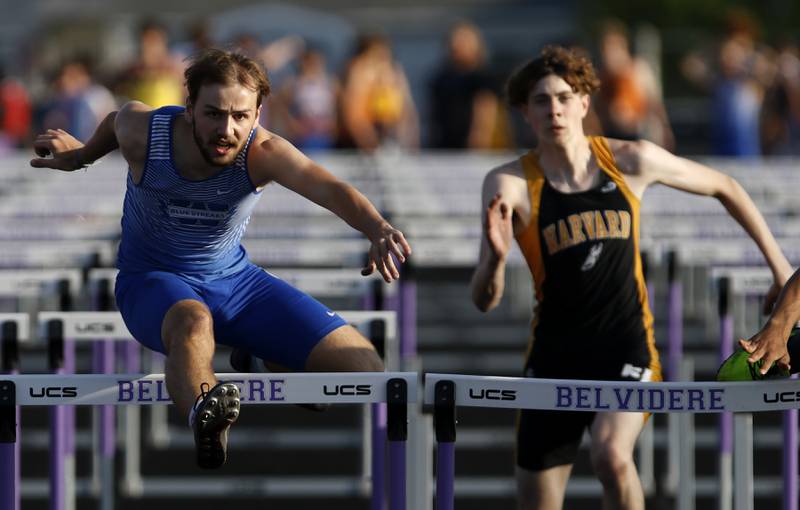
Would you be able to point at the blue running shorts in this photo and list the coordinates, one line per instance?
(252, 309)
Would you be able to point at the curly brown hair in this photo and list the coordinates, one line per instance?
(223, 68)
(571, 64)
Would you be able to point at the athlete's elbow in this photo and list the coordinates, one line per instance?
(728, 189)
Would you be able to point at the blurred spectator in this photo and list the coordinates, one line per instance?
(155, 76)
(15, 112)
(78, 104)
(780, 115)
(737, 88)
(275, 56)
(199, 38)
(629, 103)
(376, 104)
(464, 102)
(306, 104)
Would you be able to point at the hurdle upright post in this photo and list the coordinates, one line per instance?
(65, 364)
(675, 325)
(58, 420)
(444, 423)
(725, 467)
(645, 444)
(378, 430)
(674, 355)
(790, 468)
(9, 498)
(104, 416)
(397, 434)
(407, 313)
(743, 461)
(9, 420)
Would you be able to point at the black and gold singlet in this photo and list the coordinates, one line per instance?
(583, 251)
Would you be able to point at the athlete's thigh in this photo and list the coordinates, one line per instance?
(547, 439)
(344, 350)
(143, 300)
(272, 320)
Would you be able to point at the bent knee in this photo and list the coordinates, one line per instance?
(610, 462)
(187, 322)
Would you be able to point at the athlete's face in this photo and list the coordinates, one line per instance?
(554, 111)
(222, 118)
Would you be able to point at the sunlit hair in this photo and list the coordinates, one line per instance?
(571, 64)
(225, 68)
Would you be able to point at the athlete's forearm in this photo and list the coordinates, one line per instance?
(787, 308)
(355, 209)
(743, 210)
(488, 283)
(103, 141)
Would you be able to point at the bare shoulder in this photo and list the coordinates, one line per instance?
(628, 154)
(267, 147)
(133, 116)
(271, 155)
(508, 179)
(508, 170)
(131, 128)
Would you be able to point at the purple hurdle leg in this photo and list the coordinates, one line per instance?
(9, 442)
(408, 314)
(397, 478)
(378, 456)
(445, 475)
(397, 434)
(790, 467)
(444, 422)
(9, 431)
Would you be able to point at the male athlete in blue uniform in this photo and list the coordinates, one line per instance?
(185, 282)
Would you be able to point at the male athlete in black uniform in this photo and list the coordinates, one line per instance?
(572, 204)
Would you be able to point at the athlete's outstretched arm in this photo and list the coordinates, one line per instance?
(70, 154)
(125, 129)
(277, 160)
(488, 280)
(649, 163)
(769, 344)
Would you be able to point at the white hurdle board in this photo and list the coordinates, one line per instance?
(650, 397)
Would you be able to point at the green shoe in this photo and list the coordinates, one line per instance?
(737, 368)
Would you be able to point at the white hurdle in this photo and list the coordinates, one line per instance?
(447, 391)
(395, 388)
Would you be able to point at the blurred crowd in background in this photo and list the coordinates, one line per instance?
(752, 85)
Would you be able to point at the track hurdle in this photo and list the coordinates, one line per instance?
(447, 391)
(396, 388)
